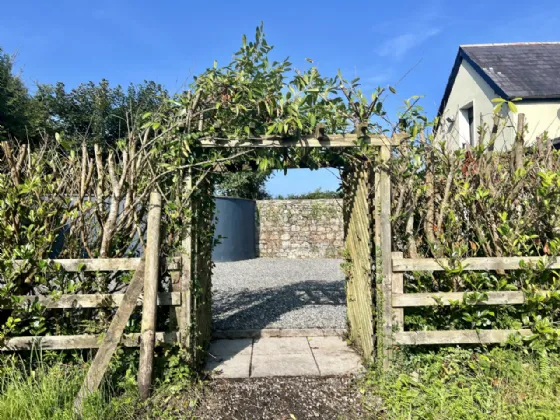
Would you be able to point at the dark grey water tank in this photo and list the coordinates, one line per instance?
(235, 228)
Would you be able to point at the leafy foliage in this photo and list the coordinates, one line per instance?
(97, 113)
(18, 116)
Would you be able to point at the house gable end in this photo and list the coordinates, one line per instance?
(462, 55)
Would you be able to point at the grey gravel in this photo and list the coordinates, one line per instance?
(278, 293)
(283, 399)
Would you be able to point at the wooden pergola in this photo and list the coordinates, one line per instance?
(367, 211)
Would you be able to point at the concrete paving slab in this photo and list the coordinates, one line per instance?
(329, 345)
(281, 345)
(284, 365)
(341, 363)
(282, 356)
(235, 367)
(278, 332)
(226, 349)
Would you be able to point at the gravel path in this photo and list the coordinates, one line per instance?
(279, 293)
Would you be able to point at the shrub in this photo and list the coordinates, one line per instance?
(313, 195)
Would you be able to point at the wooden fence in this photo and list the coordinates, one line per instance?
(88, 301)
(400, 300)
(145, 279)
(84, 301)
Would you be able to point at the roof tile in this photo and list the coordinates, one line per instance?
(530, 70)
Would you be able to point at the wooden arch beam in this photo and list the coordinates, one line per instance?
(332, 140)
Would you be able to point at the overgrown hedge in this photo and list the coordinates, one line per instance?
(479, 202)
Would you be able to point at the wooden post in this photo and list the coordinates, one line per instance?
(149, 308)
(378, 275)
(184, 285)
(398, 287)
(112, 338)
(386, 259)
(519, 142)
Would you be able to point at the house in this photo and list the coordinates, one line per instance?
(530, 71)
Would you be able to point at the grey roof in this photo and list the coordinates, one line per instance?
(529, 70)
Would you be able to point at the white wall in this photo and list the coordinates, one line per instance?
(470, 88)
(540, 117)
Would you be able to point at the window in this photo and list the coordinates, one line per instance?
(466, 126)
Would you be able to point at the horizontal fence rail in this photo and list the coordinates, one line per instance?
(73, 342)
(470, 264)
(103, 264)
(400, 300)
(410, 300)
(412, 338)
(108, 300)
(94, 264)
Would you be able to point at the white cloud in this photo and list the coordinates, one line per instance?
(371, 76)
(378, 78)
(398, 46)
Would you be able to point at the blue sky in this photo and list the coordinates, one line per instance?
(169, 41)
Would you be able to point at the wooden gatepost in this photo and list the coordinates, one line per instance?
(193, 318)
(383, 257)
(201, 269)
(146, 278)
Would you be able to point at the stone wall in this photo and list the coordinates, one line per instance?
(300, 228)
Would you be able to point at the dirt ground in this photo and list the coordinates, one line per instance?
(282, 398)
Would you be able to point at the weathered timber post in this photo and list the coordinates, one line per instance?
(184, 312)
(519, 143)
(149, 307)
(398, 287)
(112, 338)
(385, 252)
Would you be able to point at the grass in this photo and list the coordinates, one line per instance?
(31, 389)
(449, 383)
(48, 392)
(453, 383)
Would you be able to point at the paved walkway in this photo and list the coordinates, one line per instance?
(282, 356)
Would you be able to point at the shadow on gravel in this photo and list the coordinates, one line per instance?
(257, 309)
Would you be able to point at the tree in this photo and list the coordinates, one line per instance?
(15, 102)
(249, 185)
(98, 112)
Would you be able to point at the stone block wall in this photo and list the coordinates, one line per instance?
(300, 228)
